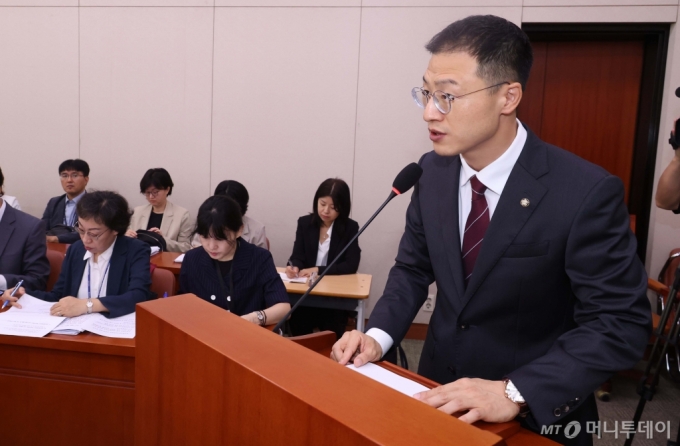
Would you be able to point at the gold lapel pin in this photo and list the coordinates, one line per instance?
(524, 202)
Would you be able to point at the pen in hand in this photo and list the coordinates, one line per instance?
(16, 288)
(291, 266)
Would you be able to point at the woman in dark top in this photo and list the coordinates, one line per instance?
(104, 272)
(320, 236)
(230, 272)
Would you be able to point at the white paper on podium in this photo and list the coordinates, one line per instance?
(285, 278)
(75, 325)
(35, 325)
(120, 327)
(390, 379)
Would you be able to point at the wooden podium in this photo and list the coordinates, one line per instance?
(205, 376)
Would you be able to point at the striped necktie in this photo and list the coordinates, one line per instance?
(475, 227)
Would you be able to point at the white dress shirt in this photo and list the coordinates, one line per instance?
(494, 176)
(99, 273)
(322, 253)
(70, 210)
(12, 201)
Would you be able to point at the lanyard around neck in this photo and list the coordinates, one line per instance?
(101, 284)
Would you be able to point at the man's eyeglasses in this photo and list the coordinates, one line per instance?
(84, 233)
(441, 100)
(66, 176)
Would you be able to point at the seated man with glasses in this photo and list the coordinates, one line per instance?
(161, 216)
(104, 272)
(60, 215)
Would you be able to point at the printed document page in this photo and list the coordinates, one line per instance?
(390, 379)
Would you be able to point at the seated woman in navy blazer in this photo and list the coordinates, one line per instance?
(103, 272)
(320, 236)
(230, 272)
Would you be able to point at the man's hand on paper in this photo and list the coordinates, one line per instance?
(482, 399)
(357, 347)
(69, 307)
(12, 299)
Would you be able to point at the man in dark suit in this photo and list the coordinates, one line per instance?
(60, 214)
(540, 294)
(23, 253)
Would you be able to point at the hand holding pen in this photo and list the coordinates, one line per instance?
(291, 270)
(10, 297)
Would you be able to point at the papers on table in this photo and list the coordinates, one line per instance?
(155, 250)
(179, 258)
(390, 379)
(33, 319)
(285, 278)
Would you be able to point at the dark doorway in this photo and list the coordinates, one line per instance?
(596, 90)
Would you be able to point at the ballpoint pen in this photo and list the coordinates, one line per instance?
(16, 288)
(292, 266)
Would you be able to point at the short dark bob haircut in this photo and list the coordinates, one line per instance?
(338, 190)
(216, 215)
(106, 208)
(236, 191)
(158, 178)
(2, 182)
(502, 50)
(76, 165)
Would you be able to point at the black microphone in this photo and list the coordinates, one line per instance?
(404, 181)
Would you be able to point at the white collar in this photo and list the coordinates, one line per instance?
(105, 256)
(2, 208)
(495, 175)
(77, 198)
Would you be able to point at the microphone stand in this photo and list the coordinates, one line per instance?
(650, 379)
(277, 328)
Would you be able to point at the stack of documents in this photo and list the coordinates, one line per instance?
(33, 319)
(285, 278)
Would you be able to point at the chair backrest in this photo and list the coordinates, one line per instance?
(668, 271)
(163, 281)
(55, 258)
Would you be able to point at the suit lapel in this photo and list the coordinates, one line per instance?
(167, 219)
(117, 266)
(6, 227)
(79, 271)
(144, 217)
(510, 215)
(448, 212)
(60, 211)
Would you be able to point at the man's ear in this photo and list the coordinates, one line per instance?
(512, 97)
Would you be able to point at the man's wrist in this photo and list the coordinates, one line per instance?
(512, 393)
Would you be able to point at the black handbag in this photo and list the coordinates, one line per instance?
(152, 239)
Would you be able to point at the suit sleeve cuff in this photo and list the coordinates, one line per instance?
(381, 338)
(3, 283)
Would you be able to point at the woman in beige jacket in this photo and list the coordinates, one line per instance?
(170, 221)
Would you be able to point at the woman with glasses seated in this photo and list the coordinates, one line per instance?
(228, 271)
(103, 272)
(162, 216)
(320, 236)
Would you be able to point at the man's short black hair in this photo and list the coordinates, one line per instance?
(76, 165)
(106, 208)
(158, 178)
(502, 50)
(236, 191)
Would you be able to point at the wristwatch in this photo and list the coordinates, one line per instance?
(260, 317)
(89, 305)
(513, 395)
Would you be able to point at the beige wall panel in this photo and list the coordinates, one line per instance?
(286, 3)
(38, 101)
(599, 2)
(38, 3)
(390, 130)
(146, 98)
(664, 232)
(443, 3)
(595, 14)
(284, 108)
(147, 3)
